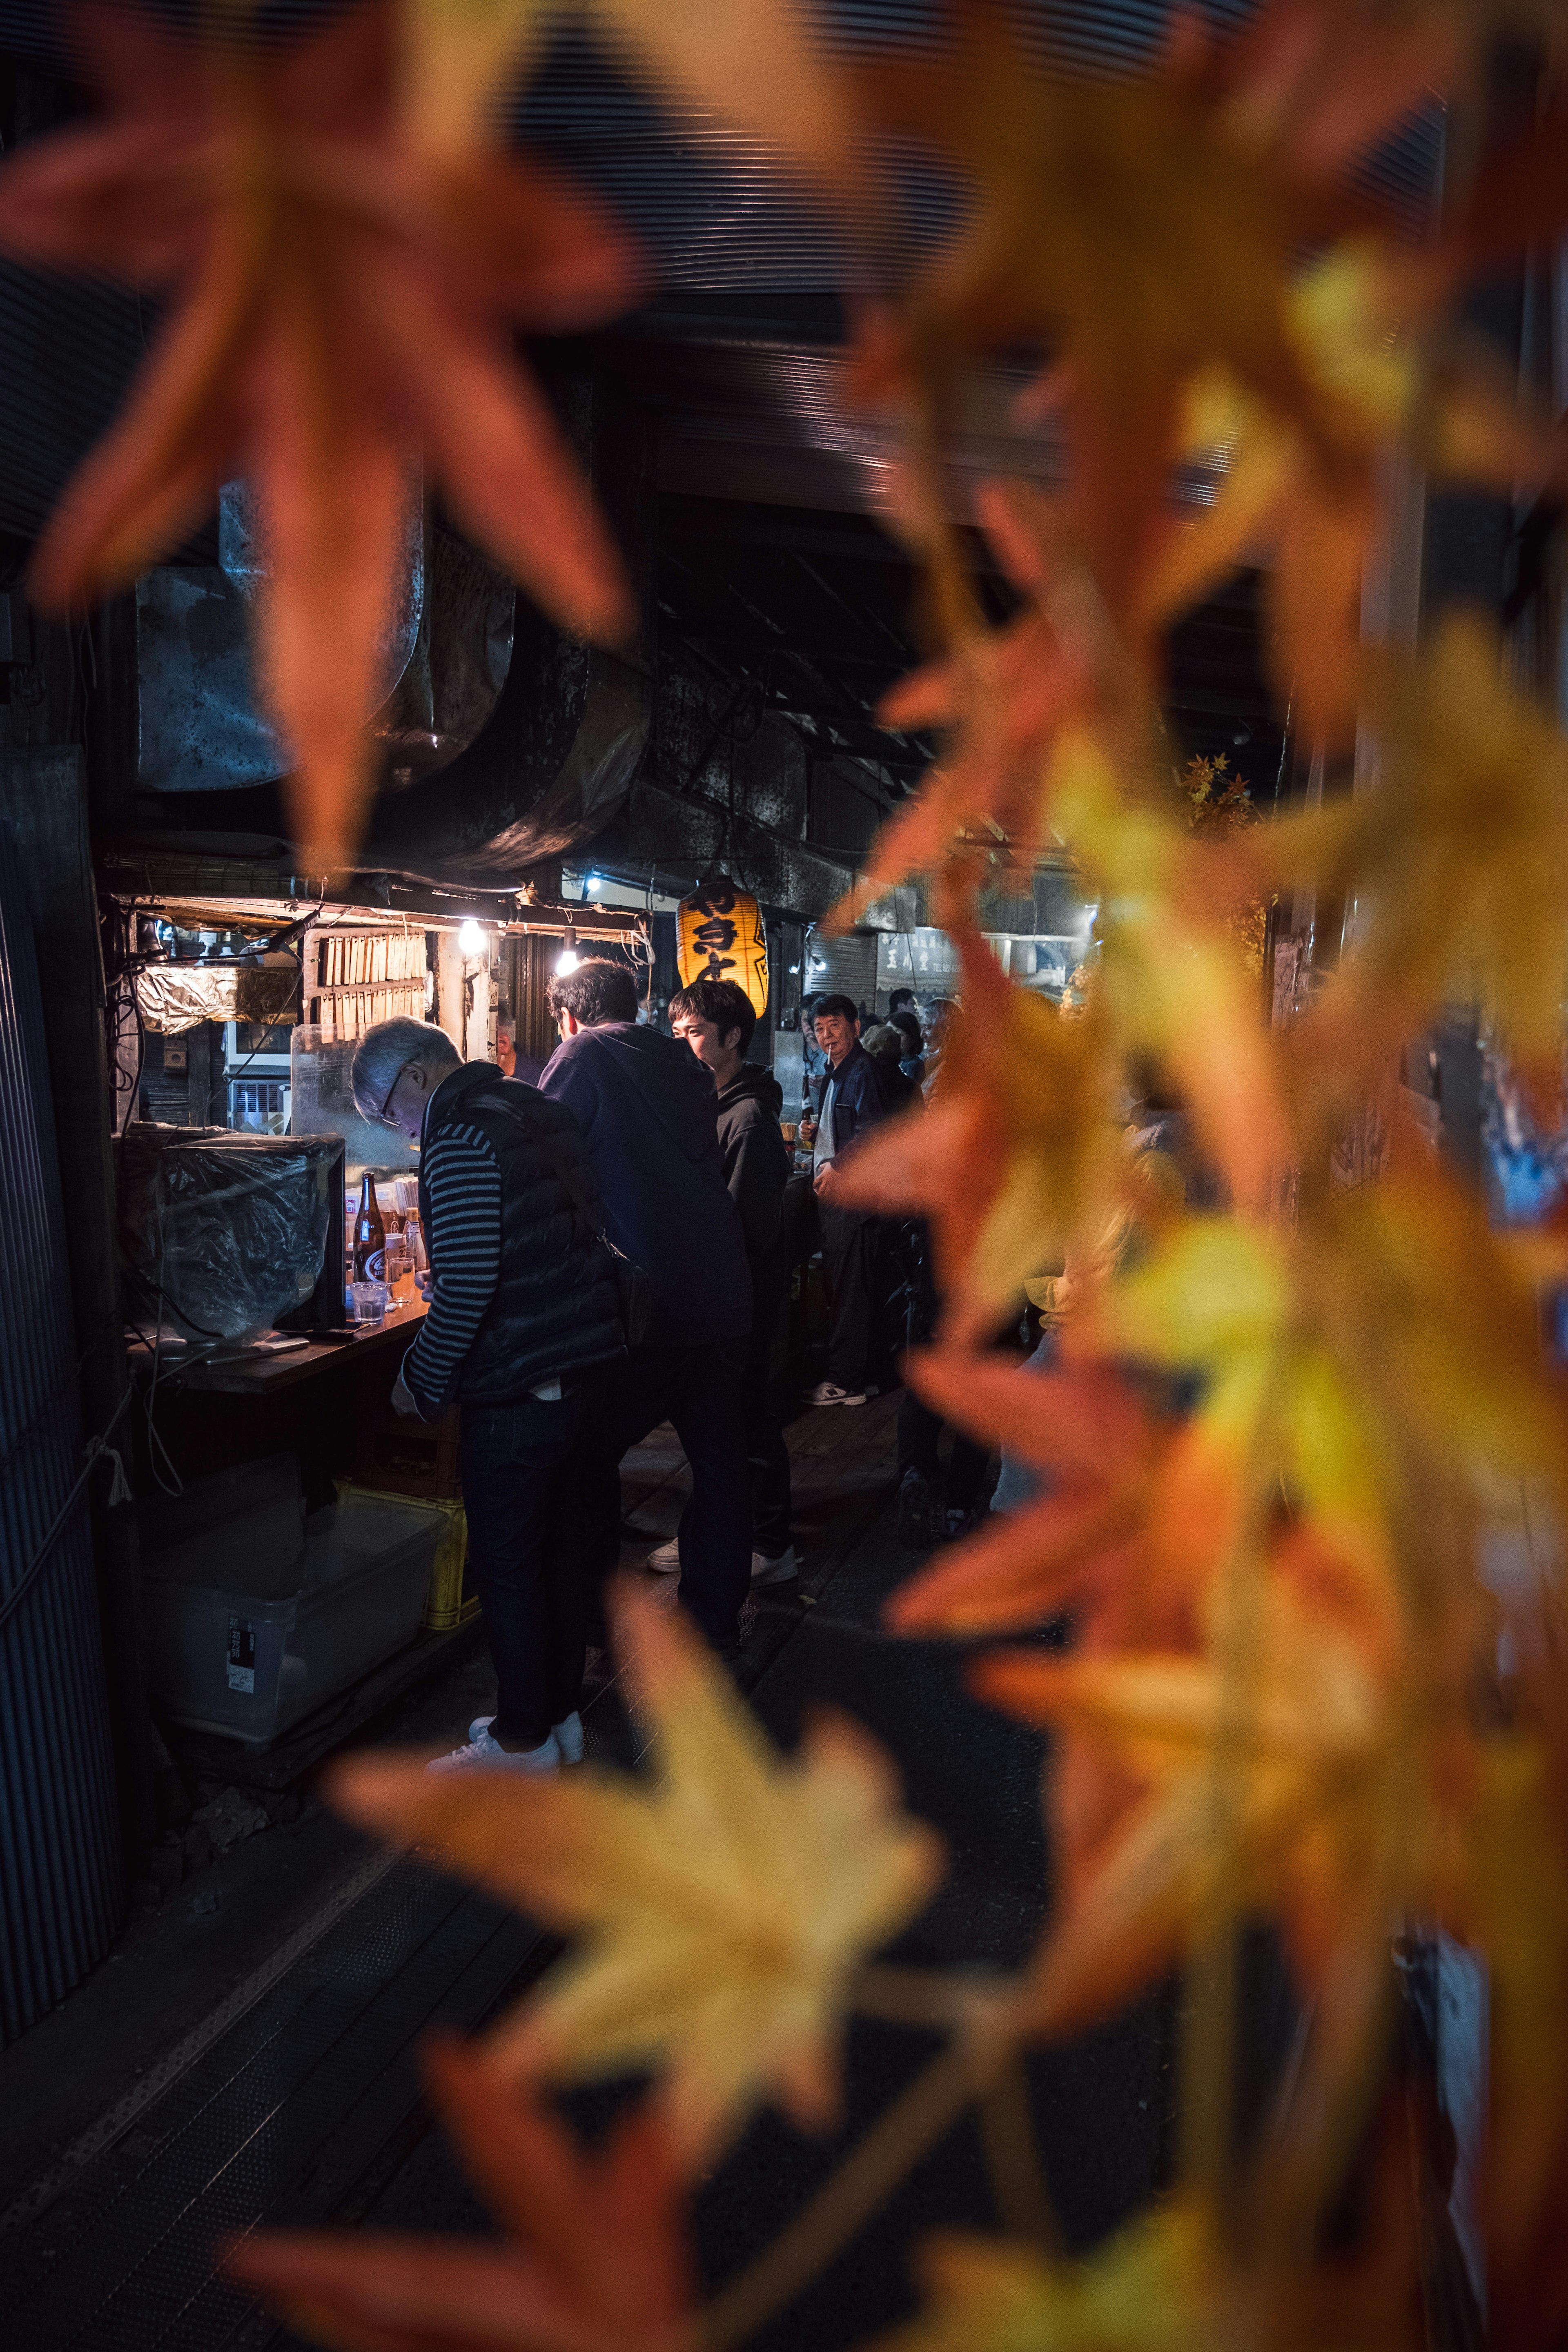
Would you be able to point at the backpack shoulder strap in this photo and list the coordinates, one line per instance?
(545, 1142)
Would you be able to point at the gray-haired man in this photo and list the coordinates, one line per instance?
(523, 1320)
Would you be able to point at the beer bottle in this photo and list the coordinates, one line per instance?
(370, 1236)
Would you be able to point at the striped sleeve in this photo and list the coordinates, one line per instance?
(463, 1180)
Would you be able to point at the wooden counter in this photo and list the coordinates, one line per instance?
(265, 1376)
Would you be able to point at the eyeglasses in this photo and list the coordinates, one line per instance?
(381, 1116)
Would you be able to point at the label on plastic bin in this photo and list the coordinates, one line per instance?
(241, 1655)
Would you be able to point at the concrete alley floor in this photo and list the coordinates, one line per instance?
(283, 2086)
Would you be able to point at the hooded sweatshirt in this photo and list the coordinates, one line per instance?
(755, 1156)
(648, 1115)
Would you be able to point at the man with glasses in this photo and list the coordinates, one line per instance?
(523, 1323)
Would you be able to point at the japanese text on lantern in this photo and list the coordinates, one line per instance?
(723, 937)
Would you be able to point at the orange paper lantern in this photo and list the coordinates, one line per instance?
(723, 937)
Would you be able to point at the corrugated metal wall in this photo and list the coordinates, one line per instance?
(59, 1863)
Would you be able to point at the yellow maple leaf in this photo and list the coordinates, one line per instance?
(1175, 981)
(1396, 1310)
(753, 60)
(1385, 376)
(723, 1909)
(1150, 2288)
(1457, 859)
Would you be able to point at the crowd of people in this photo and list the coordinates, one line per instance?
(605, 1243)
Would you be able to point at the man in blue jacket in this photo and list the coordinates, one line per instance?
(647, 1112)
(854, 1101)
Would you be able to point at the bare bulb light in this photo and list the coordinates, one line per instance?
(568, 961)
(471, 937)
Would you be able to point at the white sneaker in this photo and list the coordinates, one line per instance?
(775, 1571)
(830, 1393)
(664, 1557)
(567, 1735)
(483, 1754)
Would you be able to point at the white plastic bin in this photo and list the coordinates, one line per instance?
(247, 1663)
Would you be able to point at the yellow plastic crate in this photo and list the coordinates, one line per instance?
(448, 1602)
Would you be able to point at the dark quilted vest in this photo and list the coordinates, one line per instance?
(555, 1308)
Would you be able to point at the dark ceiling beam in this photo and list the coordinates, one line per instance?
(856, 609)
(816, 648)
(849, 541)
(866, 742)
(858, 735)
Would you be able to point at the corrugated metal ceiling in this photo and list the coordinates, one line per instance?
(711, 206)
(737, 253)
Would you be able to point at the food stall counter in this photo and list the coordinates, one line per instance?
(252, 1374)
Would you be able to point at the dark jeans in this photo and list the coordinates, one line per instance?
(525, 1481)
(767, 1455)
(699, 1391)
(852, 1256)
(919, 1431)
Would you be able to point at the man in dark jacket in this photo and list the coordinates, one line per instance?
(647, 1113)
(715, 1019)
(854, 1101)
(524, 1322)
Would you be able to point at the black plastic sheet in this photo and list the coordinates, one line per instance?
(224, 1233)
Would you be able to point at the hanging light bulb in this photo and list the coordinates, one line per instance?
(471, 937)
(568, 960)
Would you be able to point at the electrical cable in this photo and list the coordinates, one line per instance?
(97, 1448)
(155, 1444)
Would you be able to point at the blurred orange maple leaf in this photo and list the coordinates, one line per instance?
(334, 315)
(1133, 1522)
(595, 2258)
(1183, 1776)
(1007, 693)
(1017, 1157)
(1141, 229)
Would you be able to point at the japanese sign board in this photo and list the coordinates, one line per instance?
(723, 937)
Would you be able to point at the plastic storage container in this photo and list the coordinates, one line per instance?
(245, 1639)
(451, 1600)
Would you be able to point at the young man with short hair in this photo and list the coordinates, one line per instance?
(912, 1062)
(647, 1113)
(524, 1324)
(715, 1019)
(854, 1101)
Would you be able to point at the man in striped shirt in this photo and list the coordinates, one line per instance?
(524, 1324)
